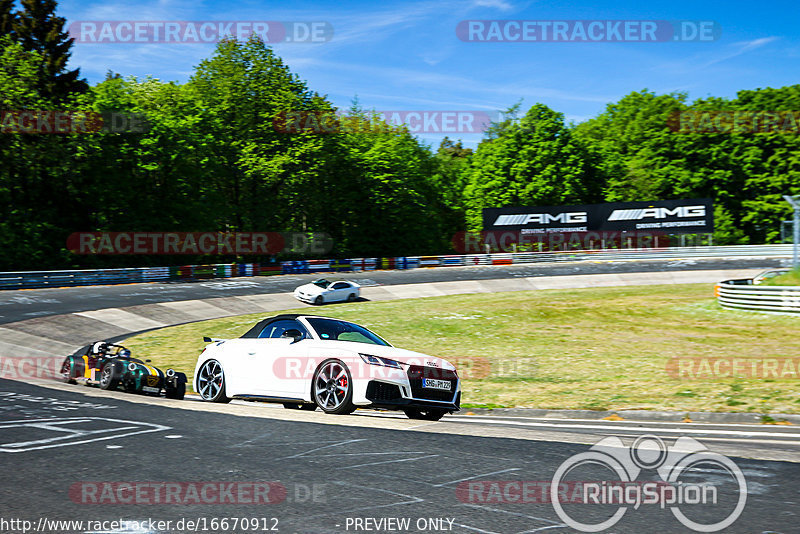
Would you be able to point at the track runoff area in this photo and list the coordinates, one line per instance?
(96, 461)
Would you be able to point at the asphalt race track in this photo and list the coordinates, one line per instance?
(26, 304)
(78, 453)
(329, 474)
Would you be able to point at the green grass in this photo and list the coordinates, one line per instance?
(597, 349)
(792, 278)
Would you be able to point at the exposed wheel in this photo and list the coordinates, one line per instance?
(66, 372)
(332, 388)
(351, 297)
(300, 406)
(177, 392)
(318, 300)
(109, 377)
(211, 382)
(426, 414)
(130, 385)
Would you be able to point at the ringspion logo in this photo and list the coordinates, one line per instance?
(692, 479)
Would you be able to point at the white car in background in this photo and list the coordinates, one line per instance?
(308, 362)
(322, 291)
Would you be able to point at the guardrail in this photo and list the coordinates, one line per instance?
(39, 279)
(92, 277)
(742, 294)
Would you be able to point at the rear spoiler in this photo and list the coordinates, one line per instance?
(212, 340)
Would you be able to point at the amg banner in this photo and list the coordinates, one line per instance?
(694, 216)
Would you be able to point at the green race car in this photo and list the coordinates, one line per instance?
(111, 366)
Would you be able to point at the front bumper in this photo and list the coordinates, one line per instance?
(407, 392)
(304, 297)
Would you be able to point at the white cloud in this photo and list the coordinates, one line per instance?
(498, 4)
(742, 47)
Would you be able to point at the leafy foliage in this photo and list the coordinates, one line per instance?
(533, 161)
(213, 158)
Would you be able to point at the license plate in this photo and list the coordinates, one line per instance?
(432, 383)
(148, 389)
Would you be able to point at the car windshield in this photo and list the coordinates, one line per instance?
(334, 330)
(321, 283)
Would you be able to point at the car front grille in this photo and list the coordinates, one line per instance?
(381, 391)
(417, 372)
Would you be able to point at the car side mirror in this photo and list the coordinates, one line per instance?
(148, 361)
(293, 333)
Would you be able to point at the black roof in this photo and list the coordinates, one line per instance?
(259, 326)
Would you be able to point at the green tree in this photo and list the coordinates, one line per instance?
(8, 17)
(38, 29)
(535, 161)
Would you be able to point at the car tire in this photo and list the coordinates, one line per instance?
(211, 382)
(351, 297)
(109, 376)
(130, 385)
(424, 413)
(319, 300)
(177, 392)
(300, 406)
(66, 372)
(332, 388)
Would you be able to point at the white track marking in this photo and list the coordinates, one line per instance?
(476, 476)
(411, 500)
(336, 444)
(129, 428)
(628, 429)
(390, 461)
(476, 529)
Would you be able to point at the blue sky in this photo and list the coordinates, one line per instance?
(406, 55)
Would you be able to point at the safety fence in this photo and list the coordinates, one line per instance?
(744, 295)
(39, 279)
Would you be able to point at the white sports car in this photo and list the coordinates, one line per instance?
(322, 291)
(305, 362)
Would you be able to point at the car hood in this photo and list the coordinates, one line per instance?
(409, 357)
(310, 289)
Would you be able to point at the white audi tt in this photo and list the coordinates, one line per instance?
(322, 291)
(305, 362)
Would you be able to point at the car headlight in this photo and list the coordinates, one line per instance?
(377, 360)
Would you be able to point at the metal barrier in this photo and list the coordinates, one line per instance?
(38, 279)
(742, 294)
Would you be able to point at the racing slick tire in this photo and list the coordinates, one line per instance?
(110, 376)
(177, 392)
(66, 372)
(319, 300)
